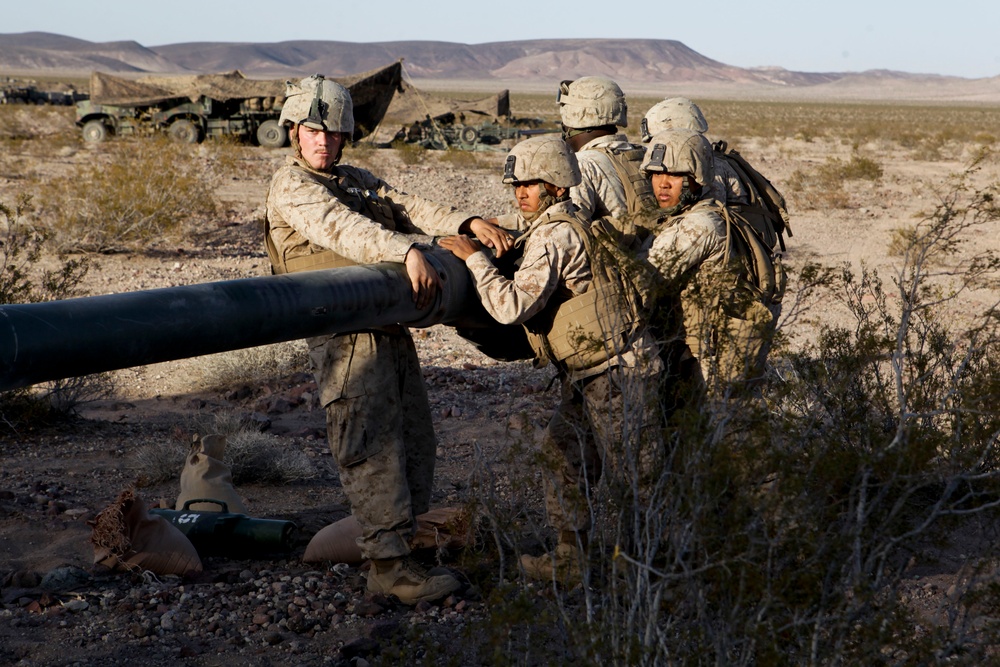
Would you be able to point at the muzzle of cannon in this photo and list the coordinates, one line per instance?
(72, 337)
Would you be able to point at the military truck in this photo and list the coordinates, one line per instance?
(191, 108)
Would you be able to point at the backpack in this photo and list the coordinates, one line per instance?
(766, 212)
(626, 159)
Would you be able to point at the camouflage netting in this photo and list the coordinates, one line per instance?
(108, 89)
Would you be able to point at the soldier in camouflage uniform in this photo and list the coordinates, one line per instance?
(320, 214)
(689, 243)
(682, 113)
(558, 275)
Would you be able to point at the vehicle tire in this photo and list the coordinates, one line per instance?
(95, 131)
(272, 134)
(184, 131)
(469, 135)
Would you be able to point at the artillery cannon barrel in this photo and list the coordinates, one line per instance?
(61, 339)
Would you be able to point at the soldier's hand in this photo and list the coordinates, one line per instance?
(461, 246)
(492, 236)
(423, 278)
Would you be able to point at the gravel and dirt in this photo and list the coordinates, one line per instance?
(57, 609)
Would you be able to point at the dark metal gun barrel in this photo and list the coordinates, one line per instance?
(60, 339)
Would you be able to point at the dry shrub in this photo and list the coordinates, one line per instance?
(828, 186)
(788, 522)
(137, 194)
(461, 159)
(23, 280)
(255, 457)
(253, 365)
(252, 456)
(410, 154)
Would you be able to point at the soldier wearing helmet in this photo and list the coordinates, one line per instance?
(682, 113)
(689, 243)
(323, 214)
(562, 275)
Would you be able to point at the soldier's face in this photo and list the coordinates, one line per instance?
(319, 148)
(667, 188)
(528, 194)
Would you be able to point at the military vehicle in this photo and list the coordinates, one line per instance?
(191, 108)
(438, 122)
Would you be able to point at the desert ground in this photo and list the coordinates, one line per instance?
(56, 478)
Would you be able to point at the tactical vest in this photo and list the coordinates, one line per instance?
(583, 332)
(356, 198)
(626, 159)
(766, 212)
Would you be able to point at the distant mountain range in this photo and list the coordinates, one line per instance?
(644, 63)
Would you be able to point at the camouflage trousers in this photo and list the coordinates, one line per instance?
(380, 433)
(606, 429)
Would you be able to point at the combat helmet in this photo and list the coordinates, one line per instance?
(592, 101)
(673, 112)
(680, 151)
(318, 103)
(542, 158)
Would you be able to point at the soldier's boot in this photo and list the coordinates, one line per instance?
(409, 581)
(562, 565)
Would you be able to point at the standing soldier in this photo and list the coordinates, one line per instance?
(592, 109)
(569, 296)
(320, 214)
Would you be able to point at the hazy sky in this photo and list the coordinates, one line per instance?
(957, 37)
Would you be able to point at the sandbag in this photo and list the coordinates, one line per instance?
(127, 538)
(206, 476)
(441, 528)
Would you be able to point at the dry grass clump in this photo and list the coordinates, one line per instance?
(828, 186)
(253, 457)
(134, 195)
(253, 365)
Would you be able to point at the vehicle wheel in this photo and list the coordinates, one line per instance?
(184, 131)
(469, 135)
(272, 134)
(95, 131)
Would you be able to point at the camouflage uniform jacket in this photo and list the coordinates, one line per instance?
(554, 258)
(687, 241)
(601, 192)
(305, 216)
(686, 250)
(554, 264)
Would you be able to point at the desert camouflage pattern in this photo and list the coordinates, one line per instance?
(592, 101)
(681, 151)
(318, 103)
(600, 192)
(670, 113)
(545, 158)
(305, 215)
(727, 186)
(588, 432)
(378, 417)
(610, 426)
(691, 249)
(554, 259)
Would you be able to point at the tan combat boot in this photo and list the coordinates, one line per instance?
(409, 581)
(562, 565)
